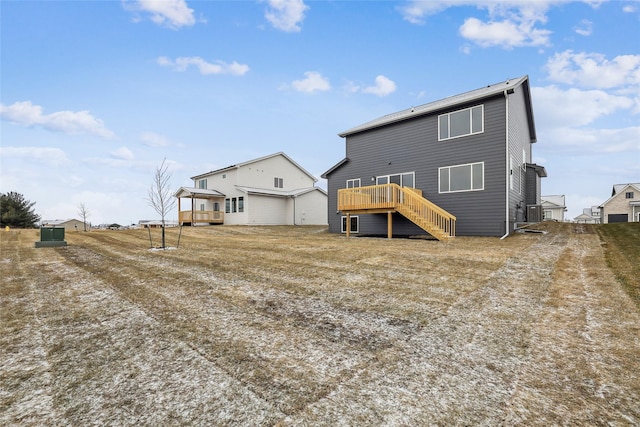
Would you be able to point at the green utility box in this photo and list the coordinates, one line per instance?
(51, 237)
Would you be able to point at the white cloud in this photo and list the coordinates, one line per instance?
(594, 70)
(629, 8)
(81, 122)
(590, 141)
(286, 15)
(510, 23)
(205, 68)
(383, 87)
(167, 13)
(122, 153)
(555, 107)
(313, 82)
(585, 28)
(46, 155)
(154, 140)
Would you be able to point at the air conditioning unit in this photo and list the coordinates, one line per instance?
(534, 213)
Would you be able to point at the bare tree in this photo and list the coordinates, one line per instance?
(160, 195)
(84, 214)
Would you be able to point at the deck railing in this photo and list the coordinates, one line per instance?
(213, 217)
(407, 201)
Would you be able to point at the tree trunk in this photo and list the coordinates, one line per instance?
(163, 246)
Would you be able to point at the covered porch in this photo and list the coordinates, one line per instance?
(205, 207)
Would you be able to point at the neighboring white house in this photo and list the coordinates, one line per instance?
(67, 224)
(553, 207)
(270, 190)
(589, 216)
(623, 205)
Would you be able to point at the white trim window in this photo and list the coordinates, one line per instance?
(202, 184)
(355, 223)
(461, 123)
(405, 179)
(466, 177)
(353, 183)
(278, 182)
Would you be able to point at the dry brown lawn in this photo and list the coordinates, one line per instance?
(292, 326)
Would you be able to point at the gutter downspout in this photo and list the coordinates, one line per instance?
(506, 227)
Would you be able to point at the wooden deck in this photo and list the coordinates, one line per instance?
(391, 198)
(201, 217)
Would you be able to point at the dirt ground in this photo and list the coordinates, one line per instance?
(292, 326)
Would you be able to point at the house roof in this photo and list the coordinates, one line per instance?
(617, 188)
(584, 216)
(471, 96)
(333, 168)
(58, 221)
(278, 193)
(197, 193)
(556, 201)
(239, 165)
(540, 170)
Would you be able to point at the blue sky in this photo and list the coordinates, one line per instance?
(95, 94)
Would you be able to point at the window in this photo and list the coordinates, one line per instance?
(547, 214)
(353, 228)
(227, 205)
(461, 123)
(240, 204)
(278, 182)
(628, 195)
(353, 183)
(201, 206)
(406, 179)
(234, 208)
(469, 177)
(202, 184)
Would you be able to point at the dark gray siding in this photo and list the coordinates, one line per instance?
(413, 146)
(519, 141)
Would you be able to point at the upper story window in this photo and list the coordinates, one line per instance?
(353, 183)
(202, 184)
(460, 123)
(278, 182)
(628, 195)
(406, 179)
(469, 177)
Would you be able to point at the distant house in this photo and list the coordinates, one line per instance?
(67, 224)
(589, 216)
(270, 190)
(155, 223)
(460, 165)
(623, 205)
(553, 208)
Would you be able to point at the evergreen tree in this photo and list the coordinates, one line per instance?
(16, 211)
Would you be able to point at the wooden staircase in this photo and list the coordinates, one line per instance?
(403, 200)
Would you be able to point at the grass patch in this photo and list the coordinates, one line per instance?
(622, 252)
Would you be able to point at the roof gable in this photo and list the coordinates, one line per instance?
(260, 159)
(452, 101)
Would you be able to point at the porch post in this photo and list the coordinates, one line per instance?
(179, 222)
(348, 224)
(389, 226)
(193, 206)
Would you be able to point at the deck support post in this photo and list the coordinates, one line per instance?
(389, 224)
(179, 221)
(348, 227)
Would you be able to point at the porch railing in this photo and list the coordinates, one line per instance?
(212, 217)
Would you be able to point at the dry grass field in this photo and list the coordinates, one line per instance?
(286, 326)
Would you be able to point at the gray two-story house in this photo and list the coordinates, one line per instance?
(458, 166)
